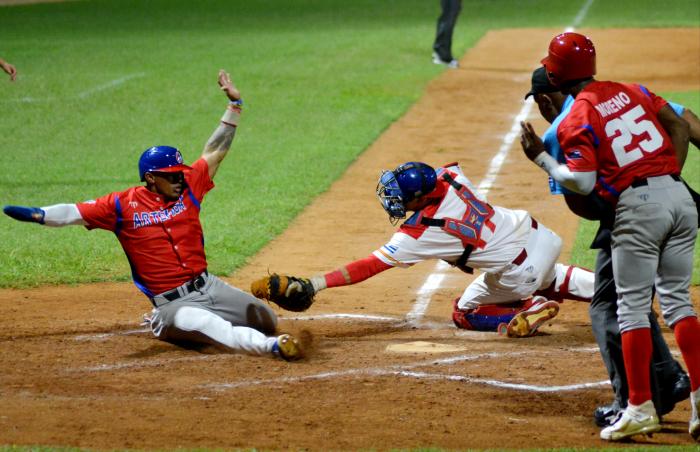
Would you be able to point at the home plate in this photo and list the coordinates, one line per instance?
(423, 347)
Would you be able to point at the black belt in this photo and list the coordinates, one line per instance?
(643, 182)
(188, 287)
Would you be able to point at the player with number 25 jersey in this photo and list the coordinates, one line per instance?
(629, 146)
(625, 114)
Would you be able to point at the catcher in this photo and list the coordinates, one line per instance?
(520, 282)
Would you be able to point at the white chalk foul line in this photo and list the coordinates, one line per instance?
(433, 281)
(497, 161)
(81, 95)
(580, 16)
(109, 85)
(425, 293)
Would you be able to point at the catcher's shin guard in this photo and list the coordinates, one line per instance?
(485, 317)
(571, 283)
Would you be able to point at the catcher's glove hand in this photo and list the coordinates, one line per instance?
(288, 292)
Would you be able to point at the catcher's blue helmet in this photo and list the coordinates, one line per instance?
(406, 183)
(165, 159)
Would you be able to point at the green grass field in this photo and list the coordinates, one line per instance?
(100, 81)
(104, 80)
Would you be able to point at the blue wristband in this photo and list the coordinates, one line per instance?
(30, 214)
(238, 103)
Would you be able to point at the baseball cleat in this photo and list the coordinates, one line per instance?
(635, 420)
(288, 348)
(694, 427)
(525, 323)
(452, 64)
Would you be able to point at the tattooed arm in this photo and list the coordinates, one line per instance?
(220, 141)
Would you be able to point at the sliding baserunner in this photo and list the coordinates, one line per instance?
(158, 226)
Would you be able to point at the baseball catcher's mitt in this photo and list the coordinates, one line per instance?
(288, 292)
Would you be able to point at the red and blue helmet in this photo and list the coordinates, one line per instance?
(571, 56)
(164, 159)
(402, 185)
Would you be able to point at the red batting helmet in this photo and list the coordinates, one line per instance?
(571, 57)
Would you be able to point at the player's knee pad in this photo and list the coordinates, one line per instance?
(485, 317)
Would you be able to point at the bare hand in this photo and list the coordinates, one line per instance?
(10, 69)
(227, 86)
(531, 143)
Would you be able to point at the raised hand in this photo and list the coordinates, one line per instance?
(228, 87)
(531, 143)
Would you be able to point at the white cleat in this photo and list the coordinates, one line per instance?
(694, 427)
(635, 420)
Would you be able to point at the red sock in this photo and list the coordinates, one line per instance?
(637, 350)
(687, 332)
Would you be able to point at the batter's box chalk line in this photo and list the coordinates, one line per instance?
(407, 320)
(103, 336)
(405, 370)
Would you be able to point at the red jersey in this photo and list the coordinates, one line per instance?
(163, 241)
(613, 129)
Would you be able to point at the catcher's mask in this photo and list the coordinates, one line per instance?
(163, 159)
(571, 57)
(402, 185)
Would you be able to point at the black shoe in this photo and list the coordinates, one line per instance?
(675, 393)
(606, 415)
(681, 389)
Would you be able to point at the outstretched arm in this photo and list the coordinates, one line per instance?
(352, 273)
(297, 294)
(220, 141)
(56, 215)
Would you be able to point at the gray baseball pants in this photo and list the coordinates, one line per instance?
(216, 314)
(652, 244)
(603, 311)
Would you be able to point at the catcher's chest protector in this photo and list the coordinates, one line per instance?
(477, 215)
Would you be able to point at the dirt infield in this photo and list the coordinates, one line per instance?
(79, 370)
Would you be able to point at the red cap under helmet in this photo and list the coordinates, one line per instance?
(571, 57)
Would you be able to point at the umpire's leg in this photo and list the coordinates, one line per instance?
(445, 27)
(603, 313)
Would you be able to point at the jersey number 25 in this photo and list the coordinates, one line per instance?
(622, 130)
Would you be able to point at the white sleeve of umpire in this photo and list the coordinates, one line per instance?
(62, 215)
(579, 182)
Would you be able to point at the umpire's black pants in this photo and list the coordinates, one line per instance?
(445, 27)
